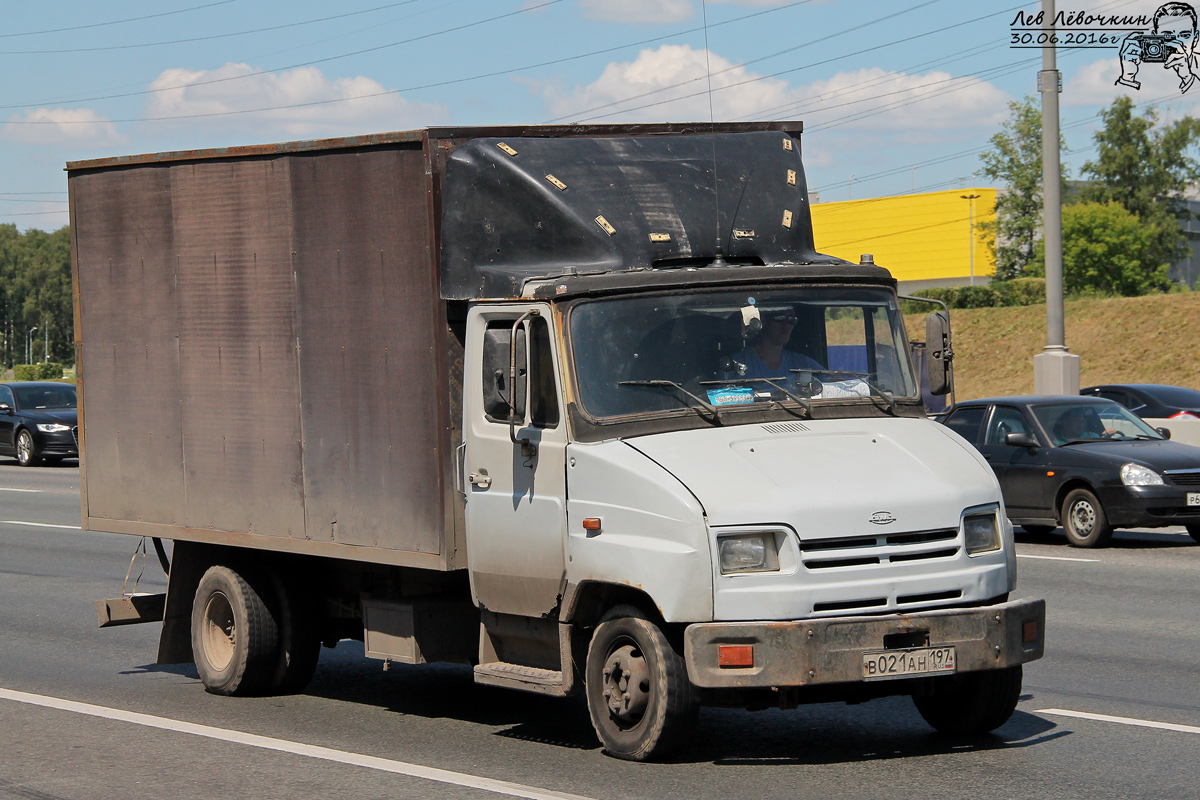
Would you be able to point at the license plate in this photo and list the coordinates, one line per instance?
(907, 663)
(1194, 498)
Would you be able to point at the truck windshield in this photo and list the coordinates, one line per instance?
(718, 351)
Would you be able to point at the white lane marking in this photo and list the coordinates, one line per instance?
(39, 524)
(1141, 723)
(31, 491)
(1059, 558)
(295, 748)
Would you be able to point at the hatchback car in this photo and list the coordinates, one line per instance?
(38, 421)
(1082, 462)
(1151, 400)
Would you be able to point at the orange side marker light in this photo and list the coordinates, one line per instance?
(735, 655)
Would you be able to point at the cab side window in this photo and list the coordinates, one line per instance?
(543, 397)
(1005, 420)
(496, 390)
(967, 422)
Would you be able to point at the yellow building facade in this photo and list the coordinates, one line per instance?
(931, 238)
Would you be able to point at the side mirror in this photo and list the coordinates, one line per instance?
(1020, 440)
(940, 356)
(6, 409)
(518, 371)
(1163, 432)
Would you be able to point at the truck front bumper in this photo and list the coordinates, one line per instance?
(830, 650)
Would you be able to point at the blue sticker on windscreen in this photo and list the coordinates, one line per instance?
(731, 395)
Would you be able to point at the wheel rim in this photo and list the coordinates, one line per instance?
(1083, 517)
(626, 684)
(220, 632)
(24, 447)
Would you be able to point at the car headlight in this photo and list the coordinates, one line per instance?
(1137, 475)
(981, 533)
(54, 427)
(749, 552)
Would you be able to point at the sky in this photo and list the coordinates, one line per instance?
(896, 96)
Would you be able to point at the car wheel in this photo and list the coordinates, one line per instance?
(639, 697)
(1083, 520)
(235, 640)
(970, 703)
(26, 452)
(1037, 530)
(1194, 531)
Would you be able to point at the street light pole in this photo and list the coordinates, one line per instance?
(971, 198)
(1055, 371)
(29, 345)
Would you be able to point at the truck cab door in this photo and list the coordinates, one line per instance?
(515, 491)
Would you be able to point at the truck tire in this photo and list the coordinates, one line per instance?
(641, 702)
(235, 639)
(1084, 521)
(1194, 531)
(299, 640)
(26, 451)
(970, 703)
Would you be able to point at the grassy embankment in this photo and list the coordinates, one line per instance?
(1154, 339)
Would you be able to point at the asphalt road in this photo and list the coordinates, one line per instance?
(1112, 711)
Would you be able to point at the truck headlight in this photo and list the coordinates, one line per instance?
(748, 552)
(981, 533)
(54, 427)
(1137, 475)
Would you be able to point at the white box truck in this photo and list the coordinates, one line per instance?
(580, 406)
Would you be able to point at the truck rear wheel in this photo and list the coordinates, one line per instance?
(299, 640)
(639, 697)
(235, 639)
(972, 702)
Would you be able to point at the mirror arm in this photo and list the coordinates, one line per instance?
(526, 446)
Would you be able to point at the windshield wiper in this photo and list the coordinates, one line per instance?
(862, 376)
(803, 403)
(716, 412)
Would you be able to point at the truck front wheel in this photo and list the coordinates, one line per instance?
(972, 702)
(640, 699)
(235, 639)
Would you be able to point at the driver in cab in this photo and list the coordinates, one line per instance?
(769, 357)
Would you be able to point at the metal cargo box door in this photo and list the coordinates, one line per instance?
(516, 491)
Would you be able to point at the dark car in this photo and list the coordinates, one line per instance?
(1082, 462)
(38, 421)
(1151, 400)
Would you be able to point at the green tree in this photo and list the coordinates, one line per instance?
(1015, 160)
(1108, 250)
(1146, 167)
(35, 290)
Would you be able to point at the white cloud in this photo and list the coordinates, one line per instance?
(297, 103)
(670, 83)
(75, 127)
(1093, 84)
(638, 12)
(875, 99)
(650, 81)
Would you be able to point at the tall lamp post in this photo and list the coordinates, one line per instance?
(1055, 369)
(29, 345)
(971, 198)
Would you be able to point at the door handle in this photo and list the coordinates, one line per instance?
(480, 479)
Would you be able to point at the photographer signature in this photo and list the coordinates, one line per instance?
(1172, 44)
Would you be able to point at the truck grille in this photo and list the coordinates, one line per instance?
(858, 551)
(1184, 477)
